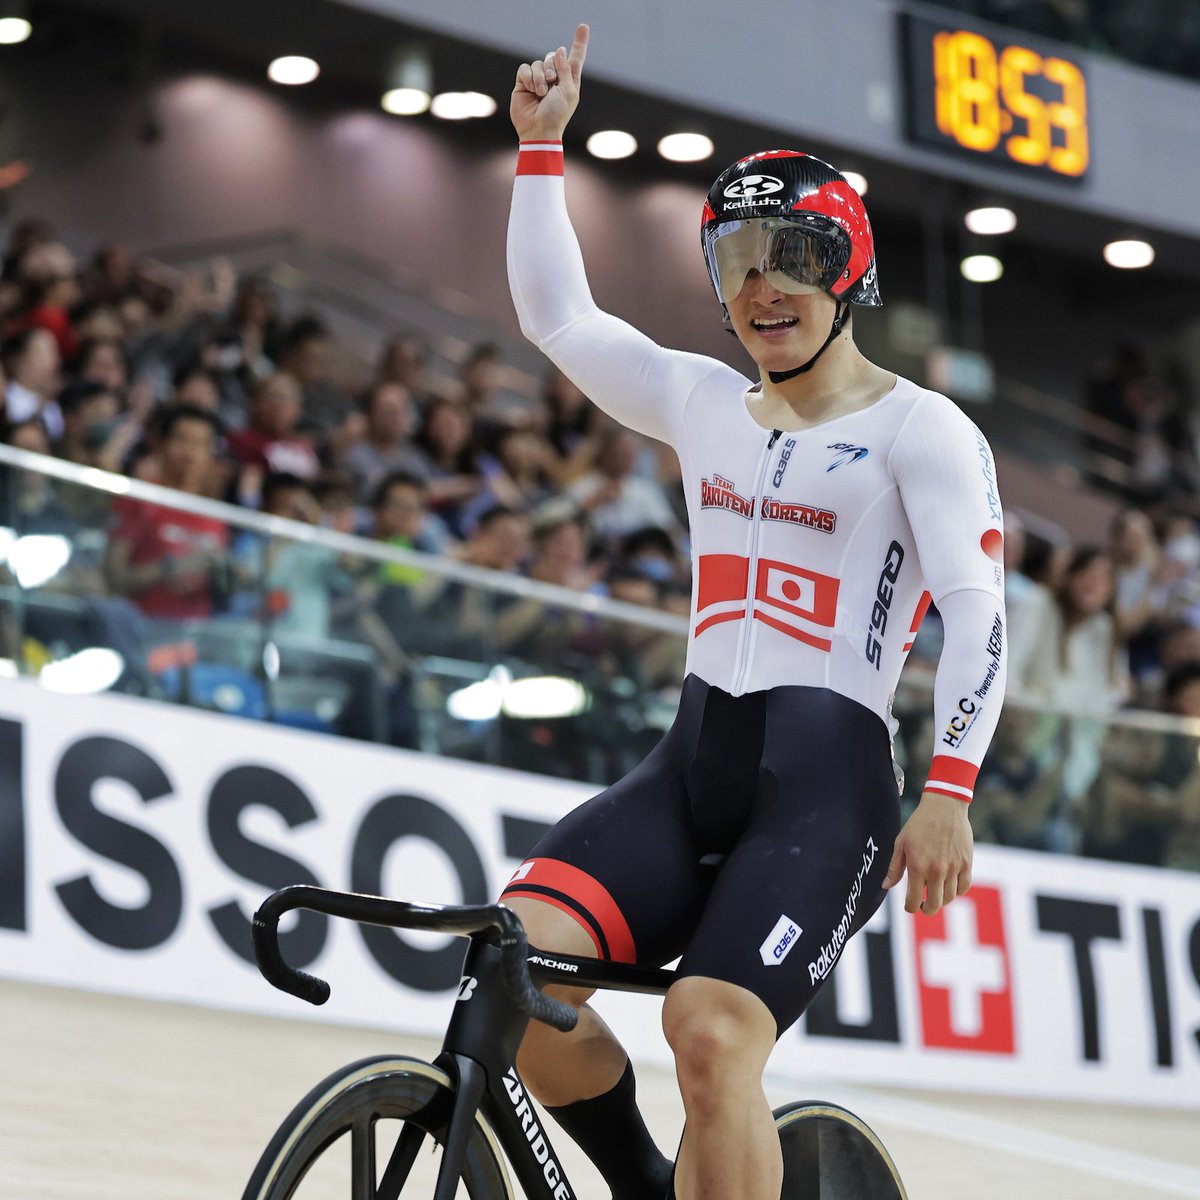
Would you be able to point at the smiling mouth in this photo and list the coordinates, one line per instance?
(769, 325)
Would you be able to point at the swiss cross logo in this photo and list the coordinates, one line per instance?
(963, 975)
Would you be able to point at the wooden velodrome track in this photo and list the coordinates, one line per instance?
(107, 1098)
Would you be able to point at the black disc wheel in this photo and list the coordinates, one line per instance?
(374, 1131)
(830, 1154)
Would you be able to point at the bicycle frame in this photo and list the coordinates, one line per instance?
(496, 999)
(479, 1051)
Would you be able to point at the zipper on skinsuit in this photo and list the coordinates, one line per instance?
(752, 567)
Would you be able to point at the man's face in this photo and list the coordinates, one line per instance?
(187, 452)
(506, 542)
(779, 330)
(106, 366)
(39, 368)
(390, 415)
(401, 512)
(277, 405)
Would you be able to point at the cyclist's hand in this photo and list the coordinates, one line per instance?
(546, 93)
(935, 847)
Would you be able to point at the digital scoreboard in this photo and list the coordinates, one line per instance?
(1007, 98)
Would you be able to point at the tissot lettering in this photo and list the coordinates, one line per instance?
(884, 591)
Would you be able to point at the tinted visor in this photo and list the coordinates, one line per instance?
(794, 256)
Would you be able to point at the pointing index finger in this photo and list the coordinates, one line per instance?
(579, 50)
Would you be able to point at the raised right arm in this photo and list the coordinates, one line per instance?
(628, 375)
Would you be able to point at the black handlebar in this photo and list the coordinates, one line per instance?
(463, 919)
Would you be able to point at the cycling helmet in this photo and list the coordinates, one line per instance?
(795, 219)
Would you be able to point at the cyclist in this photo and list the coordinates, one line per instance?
(827, 502)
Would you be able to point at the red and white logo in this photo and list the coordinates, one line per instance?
(964, 980)
(790, 599)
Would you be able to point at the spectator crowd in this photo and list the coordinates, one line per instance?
(198, 383)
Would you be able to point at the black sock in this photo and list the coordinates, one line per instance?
(609, 1129)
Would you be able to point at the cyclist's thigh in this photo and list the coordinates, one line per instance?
(623, 868)
(808, 870)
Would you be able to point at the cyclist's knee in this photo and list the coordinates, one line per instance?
(719, 1033)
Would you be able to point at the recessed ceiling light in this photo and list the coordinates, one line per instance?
(612, 143)
(1129, 254)
(14, 30)
(686, 147)
(982, 268)
(991, 221)
(857, 181)
(293, 70)
(461, 106)
(405, 101)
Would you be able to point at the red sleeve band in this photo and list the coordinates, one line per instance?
(540, 158)
(951, 777)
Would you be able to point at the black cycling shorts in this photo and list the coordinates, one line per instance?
(794, 785)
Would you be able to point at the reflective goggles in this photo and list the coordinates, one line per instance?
(792, 256)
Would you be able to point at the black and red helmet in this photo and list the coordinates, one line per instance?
(796, 219)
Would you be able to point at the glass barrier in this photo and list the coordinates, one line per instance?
(111, 586)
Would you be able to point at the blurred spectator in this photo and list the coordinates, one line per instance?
(572, 427)
(402, 518)
(305, 353)
(1140, 598)
(91, 420)
(51, 292)
(561, 554)
(334, 492)
(24, 236)
(1074, 657)
(198, 388)
(270, 443)
(516, 476)
(385, 446)
(479, 380)
(103, 361)
(652, 553)
(296, 581)
(449, 459)
(33, 368)
(403, 361)
(171, 563)
(617, 500)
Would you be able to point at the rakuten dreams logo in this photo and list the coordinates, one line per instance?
(537, 1140)
(820, 519)
(720, 494)
(825, 961)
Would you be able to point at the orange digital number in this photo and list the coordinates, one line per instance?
(967, 101)
(1069, 115)
(1033, 146)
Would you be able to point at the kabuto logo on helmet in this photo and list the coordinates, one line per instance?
(754, 185)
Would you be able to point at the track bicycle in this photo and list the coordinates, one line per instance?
(470, 1102)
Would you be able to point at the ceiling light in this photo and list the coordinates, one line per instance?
(612, 143)
(1129, 254)
(857, 181)
(14, 30)
(685, 147)
(293, 69)
(982, 268)
(405, 101)
(988, 222)
(461, 106)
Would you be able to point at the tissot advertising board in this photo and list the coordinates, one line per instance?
(136, 840)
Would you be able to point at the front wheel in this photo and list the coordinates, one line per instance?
(358, 1133)
(830, 1154)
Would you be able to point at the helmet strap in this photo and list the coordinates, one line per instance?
(839, 319)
